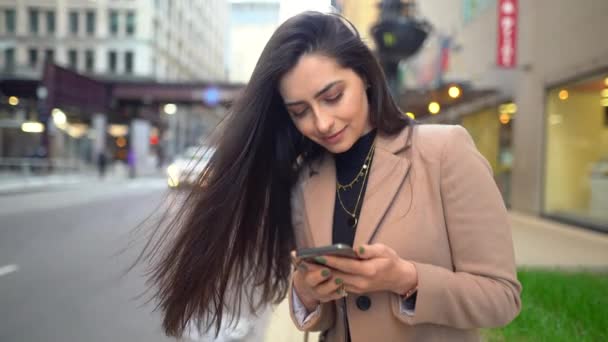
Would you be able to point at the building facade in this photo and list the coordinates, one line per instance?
(252, 22)
(162, 40)
(542, 124)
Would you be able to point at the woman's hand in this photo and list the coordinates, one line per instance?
(379, 269)
(314, 284)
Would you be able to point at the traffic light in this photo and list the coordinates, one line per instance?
(399, 38)
(398, 35)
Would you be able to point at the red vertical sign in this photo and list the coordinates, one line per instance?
(507, 33)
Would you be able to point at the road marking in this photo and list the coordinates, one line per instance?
(4, 270)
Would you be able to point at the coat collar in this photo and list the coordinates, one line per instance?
(389, 170)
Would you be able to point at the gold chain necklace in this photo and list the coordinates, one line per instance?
(363, 169)
(353, 220)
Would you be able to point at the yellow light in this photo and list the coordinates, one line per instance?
(13, 100)
(411, 115)
(59, 117)
(32, 127)
(434, 107)
(170, 108)
(118, 130)
(173, 183)
(510, 108)
(504, 118)
(389, 39)
(606, 81)
(563, 95)
(454, 92)
(604, 102)
(604, 92)
(77, 130)
(121, 142)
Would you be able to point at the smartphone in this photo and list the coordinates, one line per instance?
(340, 249)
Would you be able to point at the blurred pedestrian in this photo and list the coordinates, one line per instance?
(316, 152)
(101, 164)
(131, 162)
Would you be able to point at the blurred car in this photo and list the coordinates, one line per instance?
(187, 167)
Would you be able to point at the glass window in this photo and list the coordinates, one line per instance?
(130, 23)
(49, 55)
(73, 59)
(129, 62)
(114, 23)
(50, 22)
(9, 59)
(32, 57)
(10, 24)
(576, 170)
(73, 22)
(89, 60)
(112, 61)
(33, 17)
(91, 23)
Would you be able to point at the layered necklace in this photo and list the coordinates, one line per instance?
(361, 176)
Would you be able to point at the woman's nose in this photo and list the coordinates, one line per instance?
(324, 122)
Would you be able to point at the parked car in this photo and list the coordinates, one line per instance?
(187, 167)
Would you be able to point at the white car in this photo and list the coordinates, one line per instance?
(187, 167)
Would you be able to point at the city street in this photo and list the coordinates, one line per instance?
(61, 263)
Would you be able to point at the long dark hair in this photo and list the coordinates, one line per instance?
(231, 239)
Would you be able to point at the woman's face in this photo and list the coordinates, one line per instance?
(326, 102)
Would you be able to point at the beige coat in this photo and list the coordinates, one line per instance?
(432, 198)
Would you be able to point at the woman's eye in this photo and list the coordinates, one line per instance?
(334, 99)
(299, 114)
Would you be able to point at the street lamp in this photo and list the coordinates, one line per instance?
(398, 36)
(59, 118)
(434, 108)
(454, 92)
(170, 108)
(32, 127)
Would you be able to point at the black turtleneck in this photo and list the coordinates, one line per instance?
(348, 165)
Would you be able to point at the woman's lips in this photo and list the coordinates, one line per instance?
(332, 139)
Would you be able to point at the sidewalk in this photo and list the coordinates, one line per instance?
(15, 184)
(538, 243)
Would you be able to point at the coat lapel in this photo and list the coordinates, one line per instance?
(319, 199)
(387, 175)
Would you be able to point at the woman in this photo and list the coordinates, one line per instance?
(316, 152)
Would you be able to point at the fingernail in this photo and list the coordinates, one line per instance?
(303, 267)
(361, 250)
(338, 281)
(325, 273)
(320, 260)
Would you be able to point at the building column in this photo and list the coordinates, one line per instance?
(99, 122)
(529, 123)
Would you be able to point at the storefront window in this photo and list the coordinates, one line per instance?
(490, 128)
(576, 171)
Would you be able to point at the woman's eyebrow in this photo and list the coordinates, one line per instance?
(319, 93)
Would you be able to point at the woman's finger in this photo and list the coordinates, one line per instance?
(372, 251)
(317, 276)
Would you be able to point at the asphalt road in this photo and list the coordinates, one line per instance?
(62, 258)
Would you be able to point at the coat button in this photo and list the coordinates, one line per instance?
(364, 303)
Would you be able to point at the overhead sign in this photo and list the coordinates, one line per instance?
(507, 33)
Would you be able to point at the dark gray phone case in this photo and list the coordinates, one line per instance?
(339, 249)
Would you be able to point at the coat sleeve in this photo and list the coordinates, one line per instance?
(326, 315)
(482, 289)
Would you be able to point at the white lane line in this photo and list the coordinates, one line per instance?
(4, 270)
